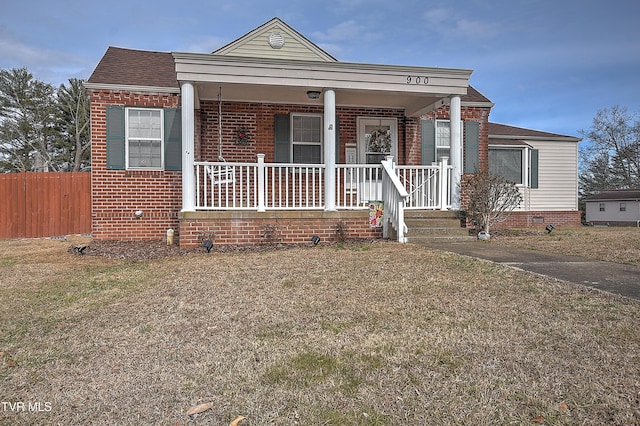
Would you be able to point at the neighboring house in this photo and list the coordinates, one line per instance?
(270, 138)
(615, 208)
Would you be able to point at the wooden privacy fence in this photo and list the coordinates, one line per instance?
(44, 204)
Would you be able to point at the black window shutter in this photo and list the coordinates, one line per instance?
(115, 137)
(471, 146)
(534, 168)
(173, 139)
(282, 138)
(428, 147)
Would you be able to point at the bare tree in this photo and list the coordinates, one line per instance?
(614, 144)
(492, 198)
(74, 124)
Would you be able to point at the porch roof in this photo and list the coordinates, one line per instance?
(415, 89)
(282, 81)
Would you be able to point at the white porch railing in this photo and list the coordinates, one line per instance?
(277, 186)
(429, 187)
(394, 196)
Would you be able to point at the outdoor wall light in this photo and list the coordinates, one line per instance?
(138, 214)
(313, 94)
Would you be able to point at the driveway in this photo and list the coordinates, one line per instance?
(607, 276)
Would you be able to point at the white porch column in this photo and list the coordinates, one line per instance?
(188, 148)
(456, 151)
(330, 150)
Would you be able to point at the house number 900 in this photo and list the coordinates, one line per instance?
(413, 79)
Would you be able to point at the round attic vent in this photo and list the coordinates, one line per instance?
(276, 40)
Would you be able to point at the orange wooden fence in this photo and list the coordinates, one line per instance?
(44, 204)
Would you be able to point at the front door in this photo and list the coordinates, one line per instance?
(377, 139)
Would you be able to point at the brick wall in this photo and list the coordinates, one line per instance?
(118, 194)
(259, 120)
(541, 219)
(274, 227)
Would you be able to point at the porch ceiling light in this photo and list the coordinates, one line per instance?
(313, 94)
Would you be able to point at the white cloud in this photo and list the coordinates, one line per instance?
(48, 65)
(448, 24)
(343, 31)
(206, 45)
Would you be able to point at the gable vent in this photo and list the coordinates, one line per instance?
(276, 40)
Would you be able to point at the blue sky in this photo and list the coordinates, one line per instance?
(547, 65)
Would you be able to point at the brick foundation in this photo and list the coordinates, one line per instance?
(273, 227)
(541, 219)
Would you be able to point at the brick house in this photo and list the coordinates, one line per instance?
(271, 138)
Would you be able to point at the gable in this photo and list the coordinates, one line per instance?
(275, 40)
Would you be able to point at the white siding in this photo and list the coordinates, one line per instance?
(256, 45)
(612, 211)
(557, 176)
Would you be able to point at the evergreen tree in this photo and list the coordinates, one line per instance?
(27, 118)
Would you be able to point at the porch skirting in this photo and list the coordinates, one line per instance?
(273, 227)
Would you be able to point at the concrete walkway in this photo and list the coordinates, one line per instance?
(607, 276)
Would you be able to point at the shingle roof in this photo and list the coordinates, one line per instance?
(474, 96)
(619, 194)
(496, 129)
(128, 67)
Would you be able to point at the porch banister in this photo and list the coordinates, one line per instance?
(330, 149)
(188, 148)
(261, 186)
(456, 152)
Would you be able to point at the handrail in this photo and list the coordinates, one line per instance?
(394, 195)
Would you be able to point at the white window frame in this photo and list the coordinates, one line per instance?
(128, 139)
(602, 207)
(443, 144)
(623, 206)
(441, 147)
(526, 161)
(307, 143)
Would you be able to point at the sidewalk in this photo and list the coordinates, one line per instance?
(607, 276)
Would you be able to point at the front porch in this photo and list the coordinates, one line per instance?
(248, 203)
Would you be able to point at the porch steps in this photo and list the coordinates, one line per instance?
(429, 226)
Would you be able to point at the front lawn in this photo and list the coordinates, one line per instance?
(355, 334)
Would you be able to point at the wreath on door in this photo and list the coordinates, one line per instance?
(379, 141)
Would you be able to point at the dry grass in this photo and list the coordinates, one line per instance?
(620, 245)
(375, 334)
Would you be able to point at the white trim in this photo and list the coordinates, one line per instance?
(124, 87)
(320, 131)
(127, 137)
(363, 121)
(340, 75)
(525, 153)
